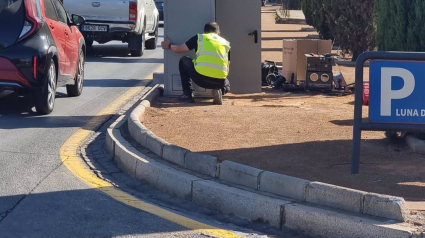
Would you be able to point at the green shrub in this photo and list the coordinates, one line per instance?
(306, 7)
(392, 22)
(400, 25)
(351, 24)
(315, 16)
(348, 22)
(415, 40)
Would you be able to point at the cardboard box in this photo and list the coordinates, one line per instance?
(294, 60)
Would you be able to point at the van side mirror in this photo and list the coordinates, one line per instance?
(78, 20)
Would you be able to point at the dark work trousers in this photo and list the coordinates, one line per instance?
(188, 75)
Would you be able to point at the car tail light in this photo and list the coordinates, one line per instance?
(133, 10)
(35, 67)
(32, 22)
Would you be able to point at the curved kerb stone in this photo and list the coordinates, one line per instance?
(236, 186)
(295, 188)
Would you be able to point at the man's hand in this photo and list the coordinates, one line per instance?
(176, 48)
(165, 44)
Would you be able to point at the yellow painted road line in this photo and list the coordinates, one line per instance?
(71, 160)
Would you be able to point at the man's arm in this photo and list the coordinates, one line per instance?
(179, 48)
(167, 45)
(228, 63)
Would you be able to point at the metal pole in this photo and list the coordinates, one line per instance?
(355, 159)
(358, 104)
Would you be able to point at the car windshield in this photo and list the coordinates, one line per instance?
(12, 17)
(159, 3)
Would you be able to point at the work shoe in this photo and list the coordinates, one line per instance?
(187, 98)
(218, 96)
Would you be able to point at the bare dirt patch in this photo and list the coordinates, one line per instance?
(305, 135)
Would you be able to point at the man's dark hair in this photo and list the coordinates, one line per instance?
(211, 27)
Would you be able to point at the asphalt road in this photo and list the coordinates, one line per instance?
(39, 197)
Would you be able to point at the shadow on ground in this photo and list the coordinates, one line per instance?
(18, 112)
(268, 93)
(75, 213)
(112, 83)
(401, 173)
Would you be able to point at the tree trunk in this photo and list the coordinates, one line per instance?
(355, 56)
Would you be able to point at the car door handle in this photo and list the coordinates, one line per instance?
(52, 26)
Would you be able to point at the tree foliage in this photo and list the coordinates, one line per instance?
(400, 25)
(416, 30)
(391, 17)
(348, 22)
(315, 16)
(351, 23)
(295, 4)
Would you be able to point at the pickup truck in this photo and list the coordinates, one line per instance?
(131, 21)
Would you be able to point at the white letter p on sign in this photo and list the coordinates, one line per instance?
(387, 94)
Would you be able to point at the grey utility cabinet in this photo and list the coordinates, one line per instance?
(240, 24)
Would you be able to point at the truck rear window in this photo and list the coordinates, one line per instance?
(12, 16)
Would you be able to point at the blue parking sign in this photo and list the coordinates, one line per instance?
(397, 92)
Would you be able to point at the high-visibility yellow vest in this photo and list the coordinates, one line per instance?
(212, 56)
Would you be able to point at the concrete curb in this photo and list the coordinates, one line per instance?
(239, 174)
(289, 20)
(201, 163)
(230, 200)
(334, 196)
(417, 145)
(334, 224)
(282, 185)
(275, 199)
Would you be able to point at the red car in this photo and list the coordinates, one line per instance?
(41, 48)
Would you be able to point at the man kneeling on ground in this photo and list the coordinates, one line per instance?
(210, 68)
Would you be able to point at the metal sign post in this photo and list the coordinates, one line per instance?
(397, 96)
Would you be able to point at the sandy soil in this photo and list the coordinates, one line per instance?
(298, 134)
(306, 135)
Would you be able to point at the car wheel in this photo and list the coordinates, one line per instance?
(76, 89)
(138, 53)
(151, 44)
(45, 98)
